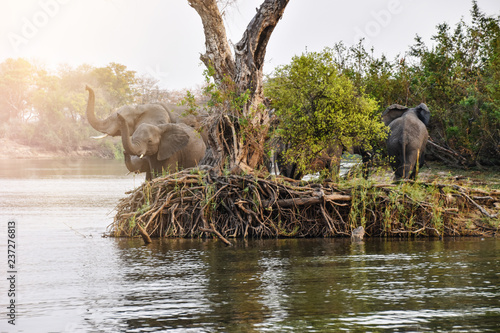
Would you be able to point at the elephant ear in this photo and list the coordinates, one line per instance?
(173, 139)
(392, 112)
(423, 113)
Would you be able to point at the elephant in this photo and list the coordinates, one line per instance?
(156, 114)
(166, 147)
(278, 163)
(327, 159)
(153, 113)
(407, 138)
(197, 123)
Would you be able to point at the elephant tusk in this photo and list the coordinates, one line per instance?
(142, 155)
(99, 137)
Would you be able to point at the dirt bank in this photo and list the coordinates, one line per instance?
(10, 149)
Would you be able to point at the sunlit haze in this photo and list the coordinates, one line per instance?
(165, 38)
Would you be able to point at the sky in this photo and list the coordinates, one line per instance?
(164, 39)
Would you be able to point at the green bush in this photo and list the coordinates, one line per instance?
(318, 107)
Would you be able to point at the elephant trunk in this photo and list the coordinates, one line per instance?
(135, 164)
(129, 147)
(128, 163)
(97, 124)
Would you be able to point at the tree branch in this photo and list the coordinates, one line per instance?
(218, 53)
(245, 75)
(251, 49)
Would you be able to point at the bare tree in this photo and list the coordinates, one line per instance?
(148, 90)
(237, 135)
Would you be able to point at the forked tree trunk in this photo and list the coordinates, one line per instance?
(240, 144)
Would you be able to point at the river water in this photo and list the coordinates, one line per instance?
(70, 279)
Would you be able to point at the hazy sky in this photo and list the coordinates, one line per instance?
(165, 38)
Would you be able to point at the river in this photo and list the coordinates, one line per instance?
(68, 278)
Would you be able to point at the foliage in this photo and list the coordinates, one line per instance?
(16, 78)
(46, 108)
(190, 102)
(118, 83)
(458, 78)
(224, 94)
(318, 107)
(147, 90)
(327, 97)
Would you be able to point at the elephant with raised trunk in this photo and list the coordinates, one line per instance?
(166, 147)
(407, 139)
(156, 114)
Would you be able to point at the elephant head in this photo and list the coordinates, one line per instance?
(165, 147)
(423, 113)
(155, 114)
(147, 140)
(407, 139)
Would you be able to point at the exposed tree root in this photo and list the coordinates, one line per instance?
(194, 203)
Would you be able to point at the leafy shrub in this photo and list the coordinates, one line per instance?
(318, 107)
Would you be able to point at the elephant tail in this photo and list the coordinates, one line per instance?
(407, 167)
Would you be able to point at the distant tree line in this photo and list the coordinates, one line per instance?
(46, 108)
(458, 78)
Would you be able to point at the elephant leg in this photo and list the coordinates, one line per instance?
(399, 172)
(412, 164)
(419, 162)
(150, 172)
(405, 170)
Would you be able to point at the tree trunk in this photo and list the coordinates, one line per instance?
(240, 144)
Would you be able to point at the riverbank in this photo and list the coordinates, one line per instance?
(10, 149)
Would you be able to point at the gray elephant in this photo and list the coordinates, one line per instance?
(156, 114)
(136, 164)
(153, 113)
(166, 147)
(407, 139)
(278, 163)
(327, 159)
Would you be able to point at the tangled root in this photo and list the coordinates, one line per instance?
(195, 203)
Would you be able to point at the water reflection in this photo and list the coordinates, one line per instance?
(298, 285)
(72, 280)
(62, 168)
